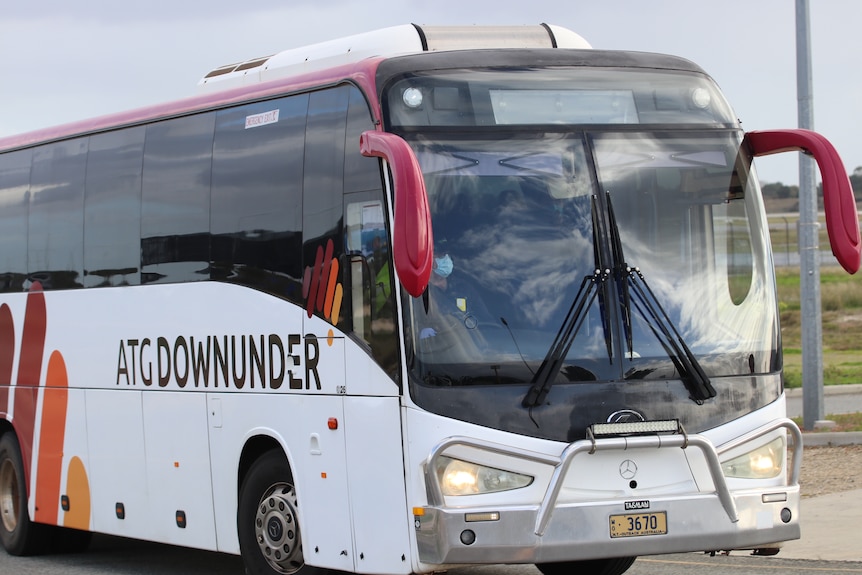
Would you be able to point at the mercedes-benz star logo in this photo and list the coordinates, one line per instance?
(628, 469)
(625, 416)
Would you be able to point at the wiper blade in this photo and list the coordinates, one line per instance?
(620, 267)
(604, 292)
(589, 290)
(691, 372)
(544, 378)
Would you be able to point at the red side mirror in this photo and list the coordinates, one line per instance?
(412, 243)
(842, 220)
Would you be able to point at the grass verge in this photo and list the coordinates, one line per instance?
(841, 303)
(843, 422)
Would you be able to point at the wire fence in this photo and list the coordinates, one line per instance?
(783, 229)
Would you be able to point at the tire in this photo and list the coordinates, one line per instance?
(267, 521)
(612, 566)
(19, 535)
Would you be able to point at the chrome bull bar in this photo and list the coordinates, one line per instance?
(591, 445)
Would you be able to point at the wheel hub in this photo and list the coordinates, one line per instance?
(277, 529)
(8, 496)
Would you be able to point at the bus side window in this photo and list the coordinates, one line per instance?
(257, 196)
(14, 197)
(367, 259)
(175, 211)
(322, 196)
(733, 247)
(112, 208)
(55, 243)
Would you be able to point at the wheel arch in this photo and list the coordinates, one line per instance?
(5, 426)
(253, 449)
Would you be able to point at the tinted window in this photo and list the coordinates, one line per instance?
(14, 196)
(56, 232)
(361, 174)
(175, 240)
(113, 209)
(370, 307)
(257, 195)
(322, 201)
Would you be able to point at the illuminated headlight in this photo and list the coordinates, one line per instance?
(459, 477)
(762, 463)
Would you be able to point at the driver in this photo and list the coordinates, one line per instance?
(448, 315)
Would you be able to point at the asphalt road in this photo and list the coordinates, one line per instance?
(837, 399)
(115, 556)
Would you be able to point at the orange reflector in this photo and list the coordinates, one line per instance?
(323, 475)
(418, 511)
(332, 423)
(176, 463)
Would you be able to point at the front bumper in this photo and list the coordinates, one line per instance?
(554, 531)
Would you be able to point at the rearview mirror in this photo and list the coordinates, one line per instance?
(412, 242)
(842, 220)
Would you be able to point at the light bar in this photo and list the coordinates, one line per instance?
(635, 428)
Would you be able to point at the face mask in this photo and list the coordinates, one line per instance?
(443, 266)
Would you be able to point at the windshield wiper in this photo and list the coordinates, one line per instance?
(592, 286)
(630, 281)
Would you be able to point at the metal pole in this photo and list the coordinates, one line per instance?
(809, 251)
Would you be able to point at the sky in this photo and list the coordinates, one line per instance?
(65, 61)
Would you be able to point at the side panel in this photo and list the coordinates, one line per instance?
(7, 355)
(75, 483)
(316, 456)
(381, 524)
(178, 469)
(118, 474)
(52, 431)
(322, 484)
(157, 414)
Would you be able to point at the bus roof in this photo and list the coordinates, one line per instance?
(392, 41)
(353, 59)
(369, 73)
(360, 73)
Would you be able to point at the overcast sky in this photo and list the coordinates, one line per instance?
(70, 60)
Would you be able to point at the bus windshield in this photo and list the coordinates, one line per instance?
(613, 252)
(522, 222)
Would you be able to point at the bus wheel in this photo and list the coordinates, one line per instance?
(269, 535)
(19, 535)
(613, 566)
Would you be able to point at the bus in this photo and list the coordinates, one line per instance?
(417, 298)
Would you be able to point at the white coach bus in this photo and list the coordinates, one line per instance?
(422, 297)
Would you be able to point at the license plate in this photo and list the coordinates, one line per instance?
(638, 524)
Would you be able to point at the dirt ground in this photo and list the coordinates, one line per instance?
(831, 470)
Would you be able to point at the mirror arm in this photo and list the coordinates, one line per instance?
(839, 203)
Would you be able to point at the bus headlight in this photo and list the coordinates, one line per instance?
(459, 477)
(762, 463)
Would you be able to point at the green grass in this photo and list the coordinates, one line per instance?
(841, 304)
(843, 422)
